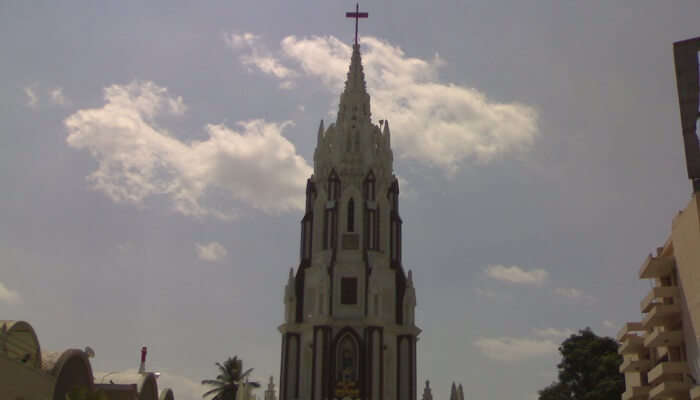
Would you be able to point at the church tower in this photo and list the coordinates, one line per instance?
(349, 330)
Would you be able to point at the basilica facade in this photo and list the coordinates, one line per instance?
(349, 329)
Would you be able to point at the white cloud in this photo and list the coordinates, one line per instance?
(212, 251)
(287, 85)
(610, 324)
(443, 125)
(9, 296)
(183, 388)
(515, 274)
(259, 57)
(552, 332)
(509, 349)
(574, 294)
(32, 97)
(253, 165)
(267, 64)
(237, 41)
(57, 97)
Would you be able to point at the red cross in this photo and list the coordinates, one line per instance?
(357, 15)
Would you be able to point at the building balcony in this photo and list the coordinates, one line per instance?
(670, 389)
(656, 296)
(632, 344)
(656, 267)
(658, 338)
(635, 365)
(660, 314)
(668, 371)
(628, 329)
(636, 393)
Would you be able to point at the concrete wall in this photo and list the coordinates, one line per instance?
(118, 391)
(19, 381)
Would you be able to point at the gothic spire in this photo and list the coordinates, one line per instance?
(320, 132)
(289, 289)
(356, 72)
(387, 133)
(427, 393)
(354, 101)
(270, 392)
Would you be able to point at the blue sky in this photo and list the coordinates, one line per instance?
(153, 159)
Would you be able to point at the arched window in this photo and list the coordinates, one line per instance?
(329, 228)
(333, 186)
(369, 186)
(371, 213)
(330, 214)
(351, 216)
(394, 195)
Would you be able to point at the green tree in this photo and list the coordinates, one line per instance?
(230, 378)
(555, 391)
(589, 369)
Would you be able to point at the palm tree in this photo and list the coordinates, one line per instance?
(230, 378)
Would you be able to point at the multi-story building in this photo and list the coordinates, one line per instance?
(661, 359)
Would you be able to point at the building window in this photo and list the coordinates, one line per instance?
(371, 222)
(326, 230)
(329, 226)
(373, 229)
(333, 186)
(375, 238)
(369, 186)
(348, 291)
(351, 216)
(394, 195)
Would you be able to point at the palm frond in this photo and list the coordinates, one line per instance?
(212, 392)
(245, 374)
(213, 382)
(231, 376)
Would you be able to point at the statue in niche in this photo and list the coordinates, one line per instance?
(347, 368)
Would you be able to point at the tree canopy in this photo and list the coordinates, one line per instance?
(231, 377)
(588, 369)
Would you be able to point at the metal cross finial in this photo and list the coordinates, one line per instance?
(357, 15)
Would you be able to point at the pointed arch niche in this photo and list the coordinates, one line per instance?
(351, 215)
(330, 214)
(347, 365)
(371, 213)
